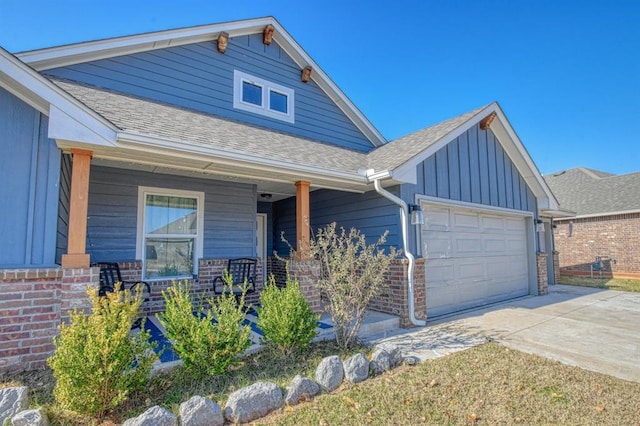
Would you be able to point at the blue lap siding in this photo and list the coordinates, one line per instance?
(197, 77)
(229, 213)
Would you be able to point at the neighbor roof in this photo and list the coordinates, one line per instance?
(591, 192)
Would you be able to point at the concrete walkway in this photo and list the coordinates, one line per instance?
(594, 329)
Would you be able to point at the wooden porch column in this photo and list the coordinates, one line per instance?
(78, 206)
(302, 218)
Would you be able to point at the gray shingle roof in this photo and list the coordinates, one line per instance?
(151, 118)
(591, 192)
(399, 151)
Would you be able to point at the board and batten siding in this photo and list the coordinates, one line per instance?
(197, 77)
(474, 168)
(229, 213)
(29, 170)
(369, 212)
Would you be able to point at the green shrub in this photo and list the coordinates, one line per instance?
(207, 343)
(352, 273)
(97, 361)
(285, 318)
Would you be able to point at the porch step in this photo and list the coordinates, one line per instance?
(374, 324)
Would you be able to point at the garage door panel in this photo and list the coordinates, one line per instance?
(495, 246)
(465, 220)
(473, 257)
(467, 245)
(490, 223)
(437, 219)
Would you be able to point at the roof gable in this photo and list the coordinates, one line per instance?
(399, 158)
(56, 57)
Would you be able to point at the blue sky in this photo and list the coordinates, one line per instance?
(566, 73)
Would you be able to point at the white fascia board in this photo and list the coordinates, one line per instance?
(407, 171)
(54, 57)
(302, 59)
(523, 161)
(175, 148)
(50, 100)
(65, 126)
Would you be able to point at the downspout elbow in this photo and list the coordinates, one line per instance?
(405, 245)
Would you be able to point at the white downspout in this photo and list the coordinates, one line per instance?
(405, 245)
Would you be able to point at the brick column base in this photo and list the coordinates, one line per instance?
(556, 267)
(543, 279)
(307, 273)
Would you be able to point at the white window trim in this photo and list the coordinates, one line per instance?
(239, 77)
(143, 191)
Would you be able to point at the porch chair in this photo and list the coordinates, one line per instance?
(242, 270)
(110, 275)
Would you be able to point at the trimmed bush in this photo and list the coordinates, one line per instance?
(352, 274)
(285, 318)
(97, 361)
(207, 342)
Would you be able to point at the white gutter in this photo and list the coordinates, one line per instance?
(405, 244)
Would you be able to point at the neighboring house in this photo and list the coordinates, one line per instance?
(606, 225)
(171, 152)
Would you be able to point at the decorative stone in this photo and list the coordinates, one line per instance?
(154, 416)
(330, 373)
(356, 368)
(395, 353)
(30, 418)
(380, 361)
(12, 401)
(301, 389)
(410, 360)
(253, 402)
(200, 411)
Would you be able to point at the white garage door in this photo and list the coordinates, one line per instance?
(472, 258)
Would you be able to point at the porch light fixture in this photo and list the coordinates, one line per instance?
(265, 195)
(417, 217)
(223, 39)
(306, 74)
(267, 34)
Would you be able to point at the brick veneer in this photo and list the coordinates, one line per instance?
(542, 276)
(307, 273)
(395, 299)
(580, 240)
(202, 287)
(33, 302)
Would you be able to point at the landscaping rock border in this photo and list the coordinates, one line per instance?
(246, 404)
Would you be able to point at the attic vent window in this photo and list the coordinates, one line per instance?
(259, 96)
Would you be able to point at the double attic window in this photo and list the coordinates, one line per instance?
(262, 97)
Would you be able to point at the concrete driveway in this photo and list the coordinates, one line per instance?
(594, 329)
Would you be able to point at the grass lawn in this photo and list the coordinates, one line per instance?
(622, 284)
(488, 384)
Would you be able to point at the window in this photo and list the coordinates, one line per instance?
(170, 231)
(262, 97)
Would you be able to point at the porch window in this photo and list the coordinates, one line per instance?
(262, 97)
(170, 229)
